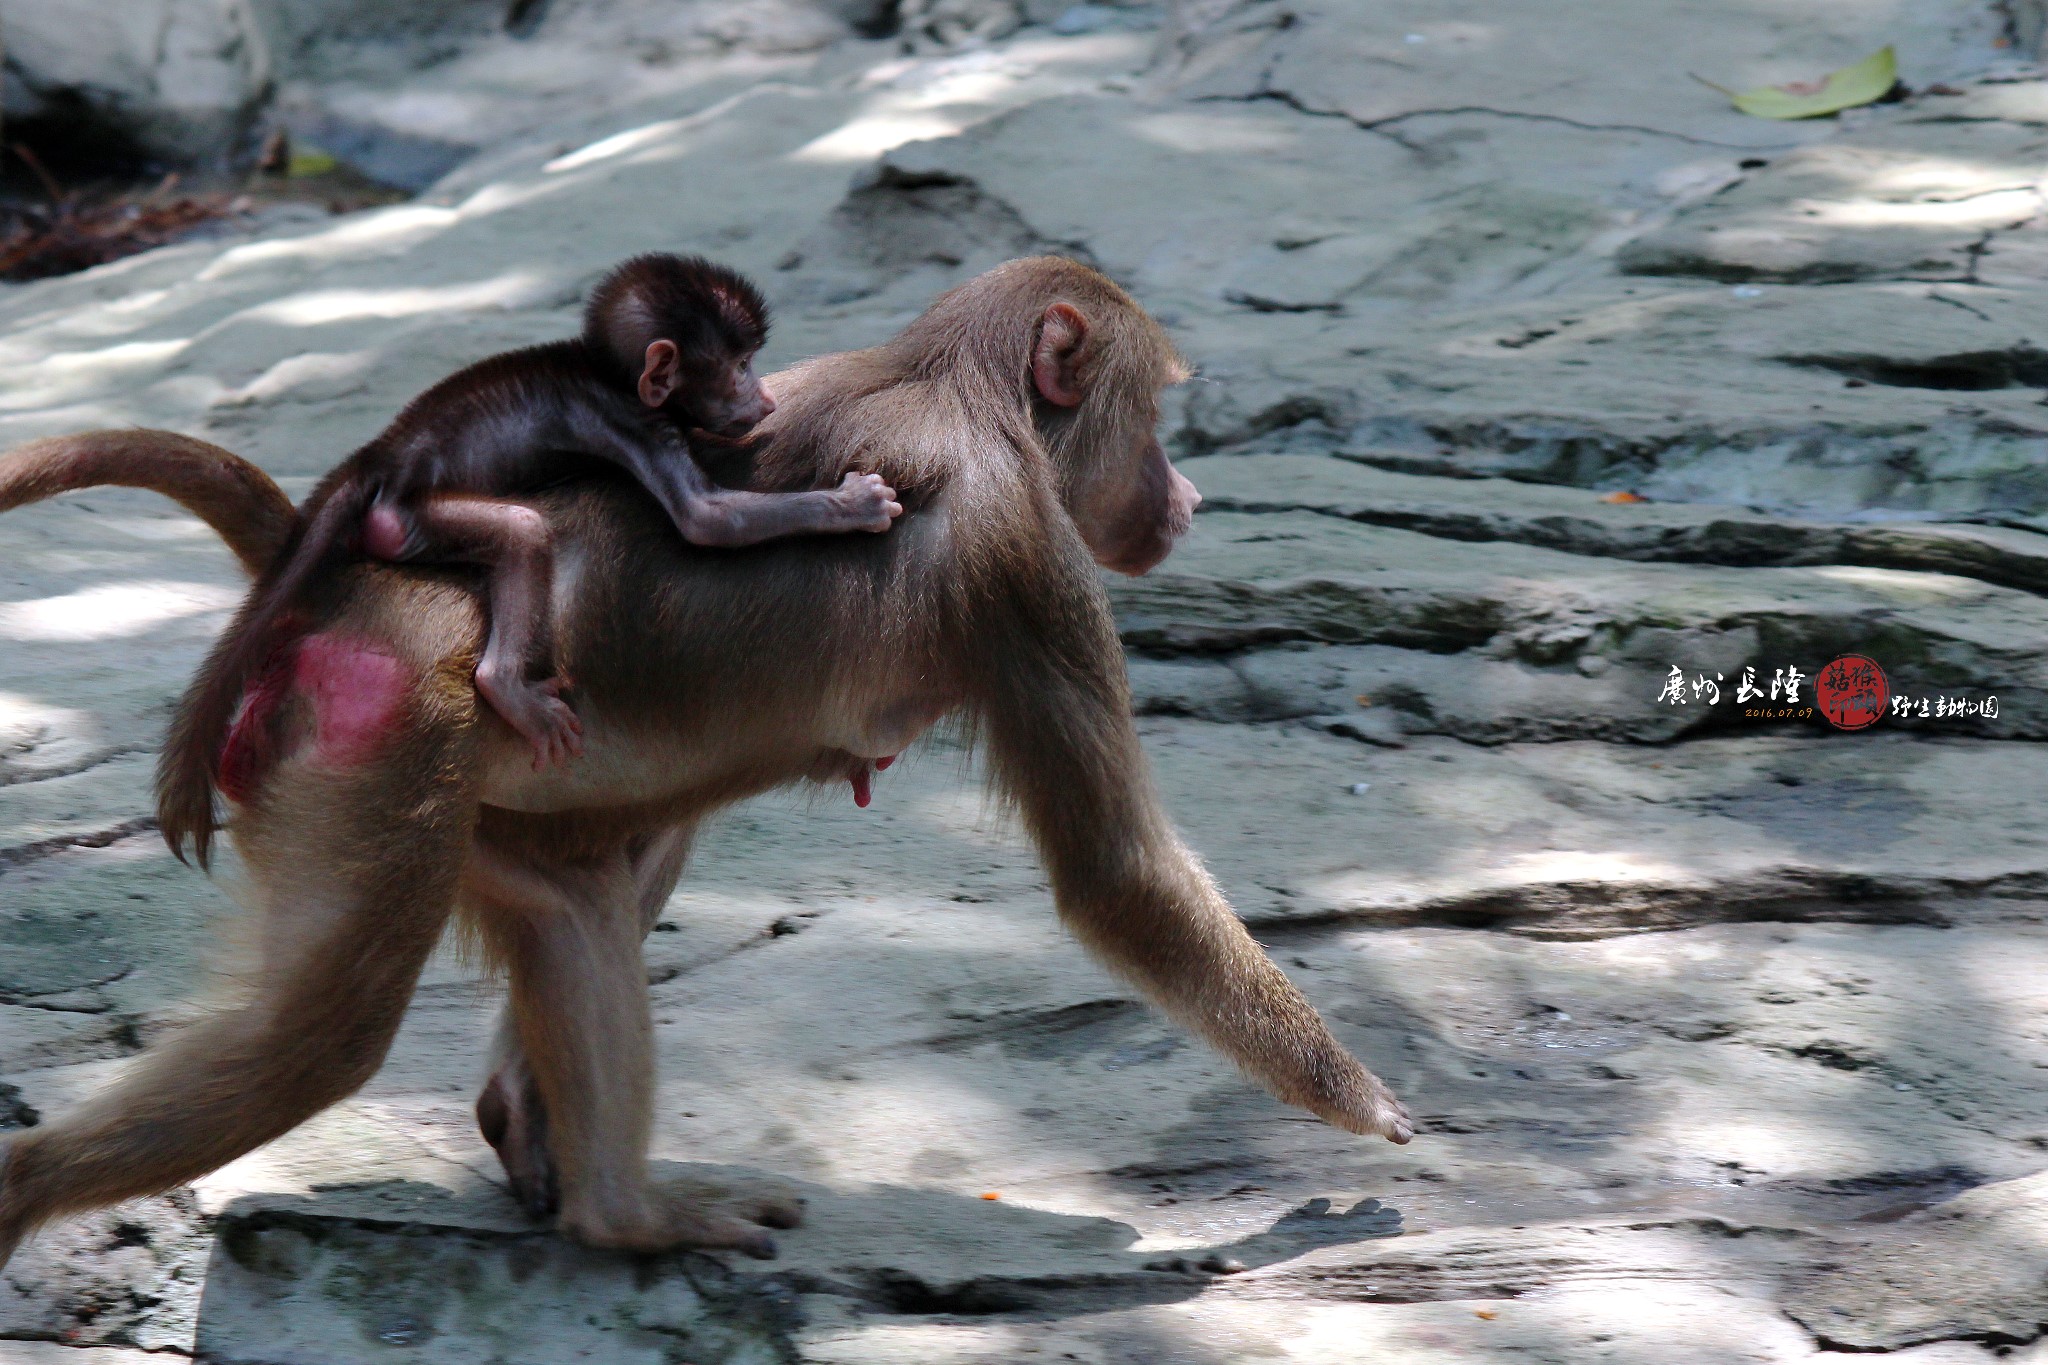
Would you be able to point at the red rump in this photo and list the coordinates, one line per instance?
(356, 689)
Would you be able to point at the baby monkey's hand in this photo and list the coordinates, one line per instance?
(866, 503)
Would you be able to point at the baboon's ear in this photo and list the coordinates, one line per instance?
(1055, 362)
(663, 372)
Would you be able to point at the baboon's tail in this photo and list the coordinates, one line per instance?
(239, 501)
(188, 769)
(246, 508)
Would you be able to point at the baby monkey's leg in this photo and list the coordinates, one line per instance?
(511, 540)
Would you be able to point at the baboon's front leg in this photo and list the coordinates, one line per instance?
(509, 1111)
(569, 932)
(1062, 746)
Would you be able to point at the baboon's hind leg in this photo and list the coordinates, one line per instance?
(569, 930)
(509, 1111)
(352, 865)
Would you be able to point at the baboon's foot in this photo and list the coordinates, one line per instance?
(512, 1119)
(776, 1212)
(675, 1220)
(767, 1202)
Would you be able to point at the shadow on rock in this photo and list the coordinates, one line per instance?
(1307, 1228)
(370, 1267)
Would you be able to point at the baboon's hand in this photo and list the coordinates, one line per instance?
(1370, 1108)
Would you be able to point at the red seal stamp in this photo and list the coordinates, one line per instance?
(1852, 692)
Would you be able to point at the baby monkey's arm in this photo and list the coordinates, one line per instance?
(707, 514)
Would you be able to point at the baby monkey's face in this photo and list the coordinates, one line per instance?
(731, 399)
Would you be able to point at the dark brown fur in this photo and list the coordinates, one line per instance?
(1018, 410)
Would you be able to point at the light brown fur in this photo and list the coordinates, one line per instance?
(242, 504)
(1016, 417)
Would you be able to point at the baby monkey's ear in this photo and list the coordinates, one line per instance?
(661, 374)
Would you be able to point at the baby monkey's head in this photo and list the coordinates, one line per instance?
(682, 333)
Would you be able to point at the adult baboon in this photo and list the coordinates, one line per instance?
(1016, 418)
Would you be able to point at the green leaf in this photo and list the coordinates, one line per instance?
(308, 160)
(1866, 82)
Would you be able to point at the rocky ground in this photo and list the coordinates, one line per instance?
(1529, 373)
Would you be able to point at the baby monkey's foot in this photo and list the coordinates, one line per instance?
(537, 712)
(865, 503)
(390, 536)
